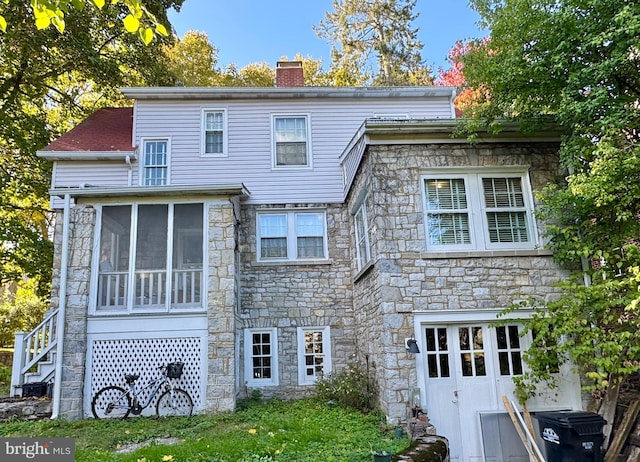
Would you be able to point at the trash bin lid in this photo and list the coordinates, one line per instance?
(583, 423)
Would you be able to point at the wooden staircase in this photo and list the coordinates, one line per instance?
(34, 355)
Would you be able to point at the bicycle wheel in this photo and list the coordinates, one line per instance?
(111, 403)
(175, 402)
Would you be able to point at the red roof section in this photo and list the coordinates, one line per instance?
(105, 130)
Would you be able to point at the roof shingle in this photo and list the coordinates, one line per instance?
(108, 129)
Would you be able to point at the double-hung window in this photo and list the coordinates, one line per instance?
(291, 147)
(288, 235)
(483, 210)
(155, 158)
(261, 356)
(362, 231)
(214, 132)
(314, 354)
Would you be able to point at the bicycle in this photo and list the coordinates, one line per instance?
(116, 402)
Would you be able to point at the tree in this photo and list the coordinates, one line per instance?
(140, 18)
(48, 82)
(192, 59)
(577, 62)
(362, 31)
(20, 310)
(454, 76)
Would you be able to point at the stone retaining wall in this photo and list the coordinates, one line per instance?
(25, 409)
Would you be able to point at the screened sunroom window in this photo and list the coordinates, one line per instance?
(165, 274)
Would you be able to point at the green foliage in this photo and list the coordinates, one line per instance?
(304, 430)
(577, 62)
(21, 311)
(255, 398)
(352, 387)
(48, 83)
(138, 18)
(5, 380)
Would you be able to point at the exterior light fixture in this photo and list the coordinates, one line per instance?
(412, 345)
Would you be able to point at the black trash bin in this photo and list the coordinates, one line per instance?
(571, 436)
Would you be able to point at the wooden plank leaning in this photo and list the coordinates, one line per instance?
(623, 432)
(526, 437)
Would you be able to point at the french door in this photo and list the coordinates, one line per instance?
(468, 368)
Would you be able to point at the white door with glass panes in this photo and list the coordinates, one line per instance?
(468, 367)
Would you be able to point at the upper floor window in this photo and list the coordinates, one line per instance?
(155, 162)
(362, 230)
(291, 236)
(478, 211)
(314, 354)
(214, 132)
(261, 356)
(291, 142)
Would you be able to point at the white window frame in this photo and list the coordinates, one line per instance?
(130, 307)
(248, 357)
(203, 133)
(274, 163)
(477, 209)
(144, 166)
(362, 215)
(303, 378)
(291, 237)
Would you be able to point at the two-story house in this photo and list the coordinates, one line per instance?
(268, 236)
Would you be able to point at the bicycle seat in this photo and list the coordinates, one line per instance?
(131, 378)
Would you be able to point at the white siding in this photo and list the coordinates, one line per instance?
(74, 174)
(333, 124)
(94, 173)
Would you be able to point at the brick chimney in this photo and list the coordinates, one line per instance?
(289, 74)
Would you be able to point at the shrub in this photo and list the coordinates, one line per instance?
(254, 398)
(352, 386)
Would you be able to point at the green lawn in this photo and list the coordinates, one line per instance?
(299, 431)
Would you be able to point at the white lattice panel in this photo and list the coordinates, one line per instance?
(112, 359)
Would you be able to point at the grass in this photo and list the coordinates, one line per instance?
(301, 431)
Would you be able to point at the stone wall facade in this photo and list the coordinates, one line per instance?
(221, 308)
(294, 294)
(370, 313)
(405, 279)
(81, 222)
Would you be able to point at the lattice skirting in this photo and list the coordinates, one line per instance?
(111, 359)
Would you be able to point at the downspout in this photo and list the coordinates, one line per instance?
(62, 297)
(452, 102)
(130, 172)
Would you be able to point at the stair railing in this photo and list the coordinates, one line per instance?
(31, 347)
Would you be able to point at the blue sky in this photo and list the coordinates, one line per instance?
(248, 31)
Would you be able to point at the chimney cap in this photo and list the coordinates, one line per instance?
(283, 64)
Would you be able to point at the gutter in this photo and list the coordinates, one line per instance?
(62, 297)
